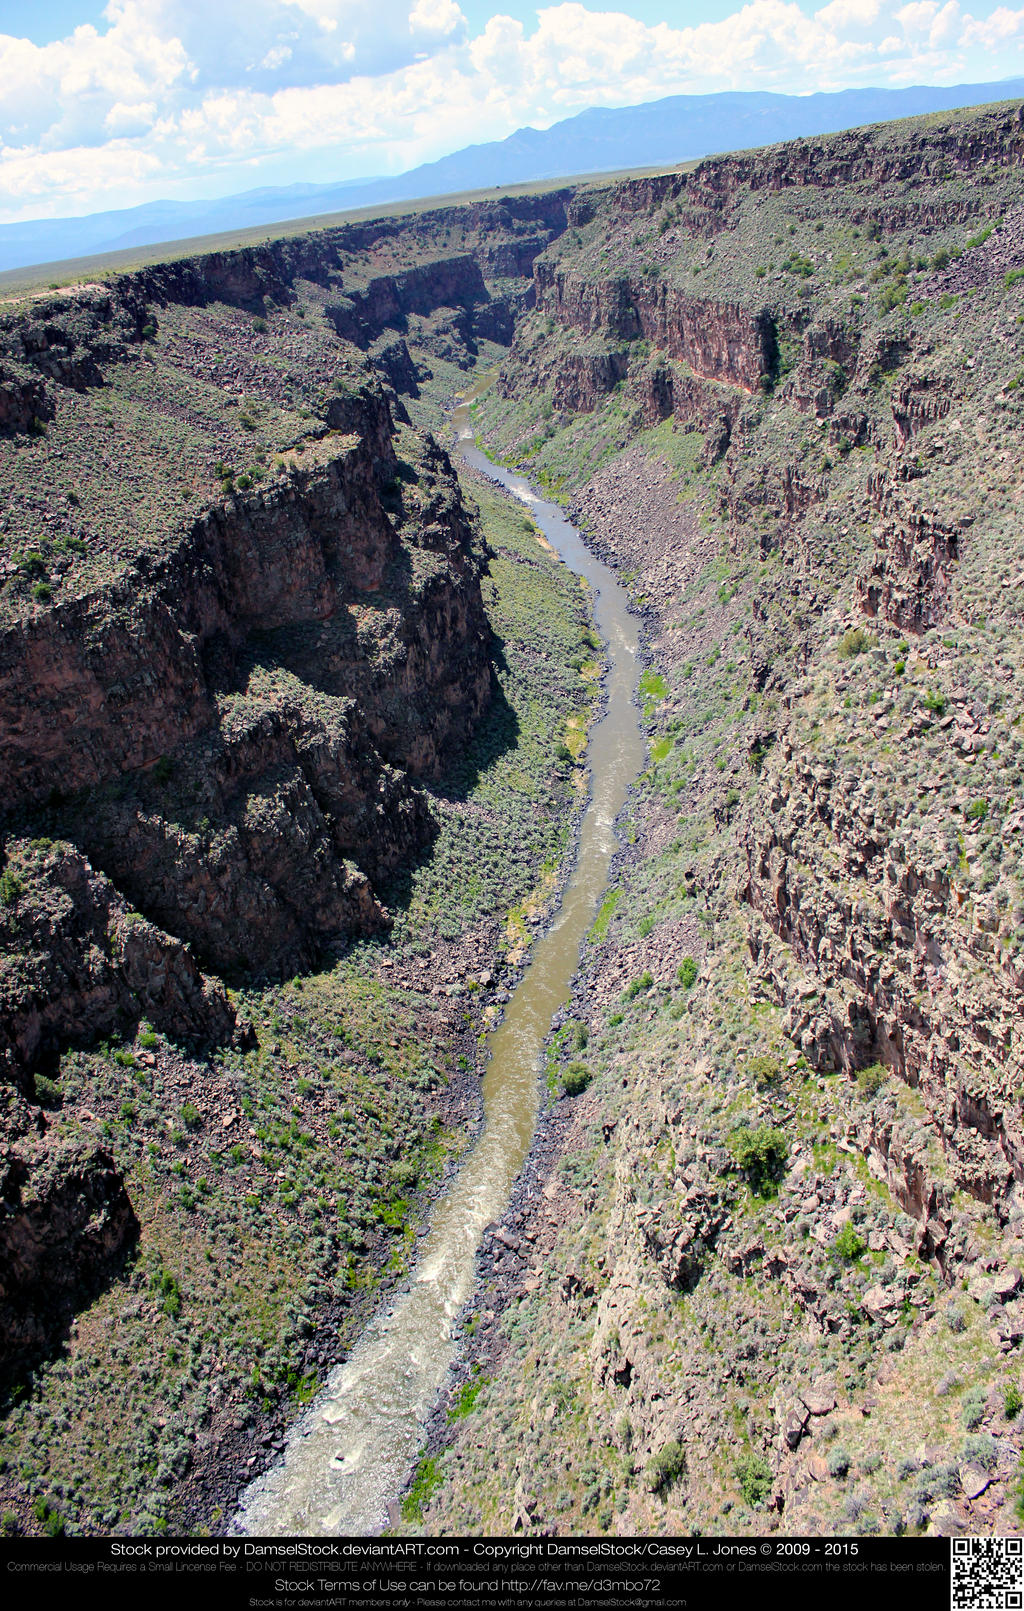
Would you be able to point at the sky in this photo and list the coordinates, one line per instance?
(109, 105)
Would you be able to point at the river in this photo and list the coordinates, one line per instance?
(352, 1451)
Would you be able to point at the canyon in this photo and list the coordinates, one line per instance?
(293, 722)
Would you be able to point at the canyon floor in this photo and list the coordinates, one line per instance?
(291, 726)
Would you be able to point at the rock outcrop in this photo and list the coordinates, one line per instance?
(79, 964)
(717, 341)
(65, 1226)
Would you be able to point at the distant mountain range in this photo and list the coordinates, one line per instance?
(600, 140)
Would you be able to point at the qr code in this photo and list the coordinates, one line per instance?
(988, 1574)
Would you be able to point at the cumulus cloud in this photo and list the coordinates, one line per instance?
(849, 14)
(928, 20)
(169, 95)
(435, 17)
(997, 29)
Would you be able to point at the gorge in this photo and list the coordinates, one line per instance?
(293, 718)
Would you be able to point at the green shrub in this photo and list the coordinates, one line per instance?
(760, 1156)
(48, 1092)
(838, 1463)
(972, 1409)
(937, 1482)
(893, 296)
(191, 1117)
(168, 1293)
(601, 922)
(871, 1079)
(11, 887)
(799, 265)
(935, 702)
(653, 685)
(576, 1078)
(977, 811)
(981, 1450)
(767, 1070)
(636, 986)
(849, 1244)
(853, 642)
(1013, 1402)
(755, 1478)
(48, 1517)
(427, 1480)
(665, 1468)
(579, 1035)
(687, 973)
(465, 1400)
(32, 564)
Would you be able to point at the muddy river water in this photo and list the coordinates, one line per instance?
(352, 1450)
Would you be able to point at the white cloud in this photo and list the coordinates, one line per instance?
(849, 14)
(134, 118)
(276, 57)
(172, 96)
(926, 19)
(994, 30)
(440, 17)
